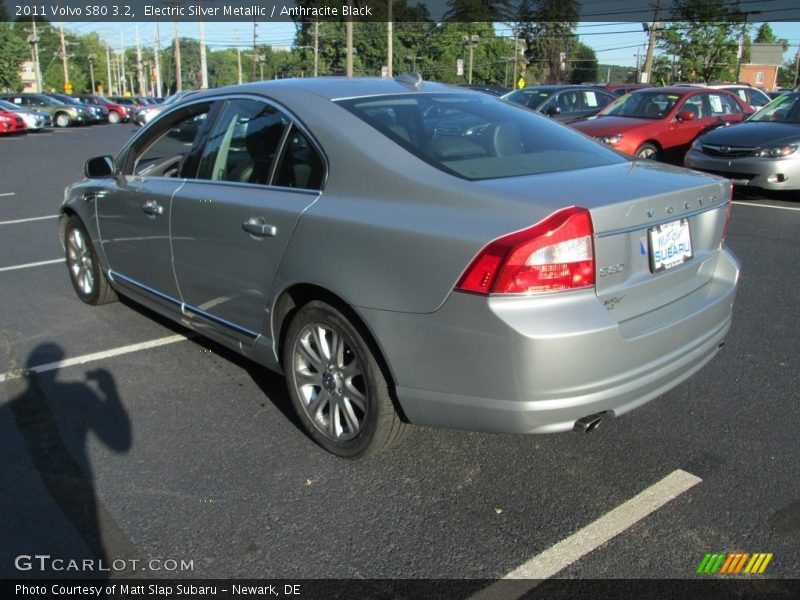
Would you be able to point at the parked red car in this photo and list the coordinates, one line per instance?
(661, 123)
(11, 123)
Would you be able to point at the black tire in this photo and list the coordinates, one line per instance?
(113, 117)
(648, 151)
(340, 392)
(62, 120)
(85, 274)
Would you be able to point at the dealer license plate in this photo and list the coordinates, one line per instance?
(670, 245)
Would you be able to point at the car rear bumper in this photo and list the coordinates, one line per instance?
(764, 173)
(538, 365)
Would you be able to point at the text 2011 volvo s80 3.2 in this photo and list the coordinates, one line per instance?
(409, 253)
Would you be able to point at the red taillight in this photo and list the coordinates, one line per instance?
(555, 254)
(728, 215)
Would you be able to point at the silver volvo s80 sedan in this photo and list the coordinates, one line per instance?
(409, 253)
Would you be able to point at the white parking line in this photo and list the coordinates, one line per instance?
(582, 542)
(5, 194)
(753, 204)
(14, 222)
(80, 360)
(33, 264)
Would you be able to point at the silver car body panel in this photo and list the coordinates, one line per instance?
(390, 235)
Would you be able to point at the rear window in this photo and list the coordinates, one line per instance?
(477, 138)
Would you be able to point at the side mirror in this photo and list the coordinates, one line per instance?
(99, 167)
(686, 115)
(552, 110)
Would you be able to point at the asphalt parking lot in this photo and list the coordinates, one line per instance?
(148, 445)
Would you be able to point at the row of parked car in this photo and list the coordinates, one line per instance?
(31, 112)
(686, 124)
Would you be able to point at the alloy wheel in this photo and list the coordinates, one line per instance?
(331, 381)
(79, 262)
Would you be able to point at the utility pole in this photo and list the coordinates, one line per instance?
(638, 64)
(316, 48)
(139, 74)
(64, 58)
(157, 59)
(516, 57)
(740, 58)
(255, 56)
(148, 80)
(115, 71)
(470, 41)
(389, 36)
(122, 63)
(203, 61)
(796, 67)
(178, 74)
(646, 75)
(349, 29)
(92, 58)
(239, 57)
(33, 40)
(110, 91)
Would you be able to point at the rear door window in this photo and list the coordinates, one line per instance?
(244, 143)
(300, 165)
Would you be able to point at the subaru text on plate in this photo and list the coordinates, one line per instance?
(506, 274)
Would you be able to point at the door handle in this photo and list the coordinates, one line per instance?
(258, 227)
(152, 208)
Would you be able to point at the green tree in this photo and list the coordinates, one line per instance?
(13, 50)
(548, 28)
(788, 73)
(765, 35)
(88, 45)
(704, 38)
(662, 70)
(584, 65)
(223, 68)
(446, 47)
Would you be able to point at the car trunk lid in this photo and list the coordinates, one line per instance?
(627, 201)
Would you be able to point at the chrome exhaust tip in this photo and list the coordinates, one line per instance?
(589, 423)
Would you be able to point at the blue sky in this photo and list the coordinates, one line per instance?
(614, 43)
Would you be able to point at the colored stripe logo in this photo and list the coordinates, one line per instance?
(734, 563)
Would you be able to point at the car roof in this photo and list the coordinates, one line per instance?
(556, 86)
(337, 88)
(681, 90)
